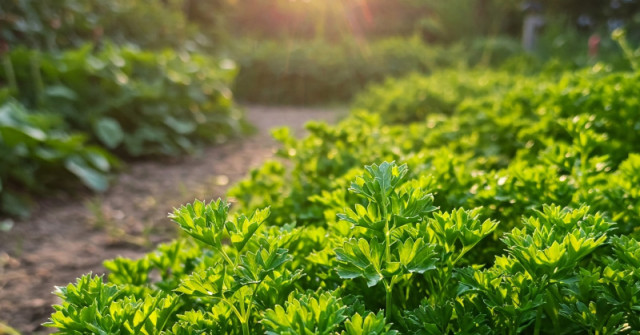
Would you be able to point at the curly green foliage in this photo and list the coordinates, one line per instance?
(414, 97)
(508, 150)
(306, 314)
(373, 324)
(235, 271)
(524, 286)
(400, 239)
(94, 306)
(501, 221)
(391, 253)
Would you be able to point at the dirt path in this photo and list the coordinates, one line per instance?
(66, 238)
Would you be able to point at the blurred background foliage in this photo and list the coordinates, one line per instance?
(129, 78)
(58, 24)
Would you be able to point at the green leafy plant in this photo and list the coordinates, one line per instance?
(236, 276)
(140, 102)
(306, 314)
(208, 223)
(38, 153)
(524, 286)
(385, 257)
(234, 281)
(60, 108)
(515, 211)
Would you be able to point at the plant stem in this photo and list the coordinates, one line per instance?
(37, 79)
(247, 316)
(407, 295)
(538, 325)
(387, 241)
(388, 288)
(226, 257)
(11, 75)
(387, 235)
(234, 310)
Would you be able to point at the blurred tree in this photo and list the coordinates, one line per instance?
(594, 12)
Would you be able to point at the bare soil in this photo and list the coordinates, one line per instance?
(69, 236)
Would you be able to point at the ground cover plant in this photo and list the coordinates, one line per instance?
(514, 211)
(413, 97)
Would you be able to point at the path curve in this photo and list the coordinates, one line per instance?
(66, 238)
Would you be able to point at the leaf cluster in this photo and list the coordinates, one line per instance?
(507, 216)
(63, 113)
(38, 153)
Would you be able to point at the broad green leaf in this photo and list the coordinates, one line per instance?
(109, 132)
(92, 178)
(180, 126)
(61, 91)
(99, 160)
